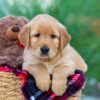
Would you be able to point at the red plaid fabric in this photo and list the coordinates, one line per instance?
(31, 92)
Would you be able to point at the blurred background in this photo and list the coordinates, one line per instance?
(82, 19)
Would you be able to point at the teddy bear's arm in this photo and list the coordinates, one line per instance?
(10, 61)
(15, 54)
(2, 46)
(19, 60)
(4, 60)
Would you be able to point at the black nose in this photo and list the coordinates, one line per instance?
(15, 29)
(44, 50)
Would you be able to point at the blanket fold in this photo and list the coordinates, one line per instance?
(31, 92)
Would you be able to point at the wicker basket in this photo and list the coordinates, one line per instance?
(10, 87)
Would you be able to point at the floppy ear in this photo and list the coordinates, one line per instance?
(24, 36)
(64, 39)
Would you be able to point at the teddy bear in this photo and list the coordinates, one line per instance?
(10, 50)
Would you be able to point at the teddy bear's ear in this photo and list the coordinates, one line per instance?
(24, 36)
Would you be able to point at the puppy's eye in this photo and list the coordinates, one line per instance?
(53, 36)
(37, 35)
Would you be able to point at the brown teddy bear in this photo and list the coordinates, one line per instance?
(10, 52)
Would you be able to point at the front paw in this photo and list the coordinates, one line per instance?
(59, 86)
(43, 84)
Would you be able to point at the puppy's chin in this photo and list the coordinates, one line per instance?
(44, 57)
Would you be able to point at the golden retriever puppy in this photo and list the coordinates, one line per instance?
(48, 52)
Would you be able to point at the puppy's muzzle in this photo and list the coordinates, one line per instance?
(44, 50)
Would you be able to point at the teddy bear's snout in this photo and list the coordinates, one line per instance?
(15, 28)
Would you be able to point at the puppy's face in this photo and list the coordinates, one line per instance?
(45, 37)
(44, 41)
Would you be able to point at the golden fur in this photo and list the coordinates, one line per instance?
(62, 59)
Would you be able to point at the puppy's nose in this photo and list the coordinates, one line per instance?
(44, 50)
(15, 29)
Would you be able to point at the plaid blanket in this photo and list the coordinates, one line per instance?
(31, 92)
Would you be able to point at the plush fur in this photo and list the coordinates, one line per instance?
(10, 51)
(60, 62)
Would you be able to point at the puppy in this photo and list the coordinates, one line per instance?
(48, 52)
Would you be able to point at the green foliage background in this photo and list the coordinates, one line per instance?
(81, 17)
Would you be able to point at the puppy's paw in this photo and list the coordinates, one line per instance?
(43, 84)
(59, 87)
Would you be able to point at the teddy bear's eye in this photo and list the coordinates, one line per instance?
(37, 35)
(53, 36)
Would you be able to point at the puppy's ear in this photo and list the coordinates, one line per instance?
(24, 36)
(64, 39)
